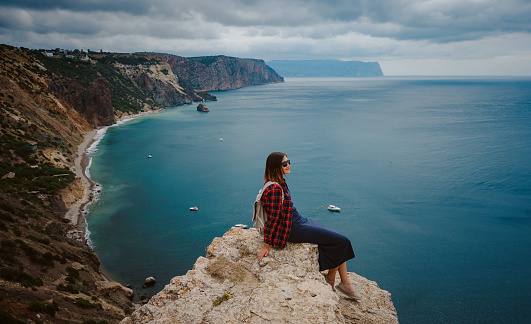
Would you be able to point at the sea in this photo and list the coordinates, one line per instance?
(432, 175)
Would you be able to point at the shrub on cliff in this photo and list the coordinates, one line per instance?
(21, 277)
(85, 304)
(40, 307)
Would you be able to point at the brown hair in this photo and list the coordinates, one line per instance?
(273, 170)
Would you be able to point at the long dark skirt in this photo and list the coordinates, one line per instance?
(334, 248)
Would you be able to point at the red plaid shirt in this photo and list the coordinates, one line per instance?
(278, 225)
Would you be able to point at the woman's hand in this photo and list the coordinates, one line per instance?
(263, 252)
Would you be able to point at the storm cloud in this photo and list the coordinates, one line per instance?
(479, 36)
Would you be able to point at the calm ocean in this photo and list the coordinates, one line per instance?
(432, 174)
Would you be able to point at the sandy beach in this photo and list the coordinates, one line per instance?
(74, 214)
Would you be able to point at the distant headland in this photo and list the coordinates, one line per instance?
(326, 68)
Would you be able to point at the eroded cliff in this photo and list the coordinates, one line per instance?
(229, 286)
(214, 73)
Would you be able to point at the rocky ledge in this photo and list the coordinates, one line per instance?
(229, 286)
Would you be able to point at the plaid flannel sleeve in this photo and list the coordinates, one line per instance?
(278, 225)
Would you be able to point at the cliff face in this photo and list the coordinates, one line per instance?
(93, 103)
(213, 73)
(159, 82)
(229, 286)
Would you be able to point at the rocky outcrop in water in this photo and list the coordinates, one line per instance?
(202, 107)
(229, 286)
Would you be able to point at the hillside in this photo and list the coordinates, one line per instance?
(326, 68)
(49, 100)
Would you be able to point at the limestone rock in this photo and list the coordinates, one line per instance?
(229, 286)
(9, 175)
(113, 287)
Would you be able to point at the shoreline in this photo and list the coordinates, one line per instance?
(76, 213)
(81, 163)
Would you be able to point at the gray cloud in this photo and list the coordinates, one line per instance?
(276, 29)
(138, 7)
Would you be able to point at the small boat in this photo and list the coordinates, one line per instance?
(333, 208)
(149, 156)
(221, 139)
(194, 208)
(240, 226)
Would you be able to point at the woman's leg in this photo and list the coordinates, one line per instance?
(344, 275)
(345, 286)
(332, 276)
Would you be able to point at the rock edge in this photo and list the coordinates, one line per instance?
(229, 286)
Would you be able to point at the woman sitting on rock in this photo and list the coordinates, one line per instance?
(285, 224)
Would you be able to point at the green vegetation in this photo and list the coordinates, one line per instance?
(68, 288)
(223, 298)
(21, 277)
(206, 60)
(40, 307)
(45, 179)
(45, 259)
(127, 59)
(73, 273)
(6, 318)
(81, 71)
(85, 304)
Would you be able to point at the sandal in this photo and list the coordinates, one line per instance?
(347, 291)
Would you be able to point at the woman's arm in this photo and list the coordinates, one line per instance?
(277, 228)
(263, 252)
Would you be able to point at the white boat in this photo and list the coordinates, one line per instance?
(334, 208)
(194, 208)
(149, 156)
(240, 226)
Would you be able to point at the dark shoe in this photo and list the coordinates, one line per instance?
(328, 281)
(347, 291)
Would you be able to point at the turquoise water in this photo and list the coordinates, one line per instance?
(433, 176)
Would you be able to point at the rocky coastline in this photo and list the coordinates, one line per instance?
(52, 110)
(53, 107)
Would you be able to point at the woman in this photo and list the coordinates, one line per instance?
(285, 224)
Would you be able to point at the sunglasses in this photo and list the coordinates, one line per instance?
(285, 163)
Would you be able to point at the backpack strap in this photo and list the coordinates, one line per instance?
(269, 183)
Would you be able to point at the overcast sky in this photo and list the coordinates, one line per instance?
(407, 37)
